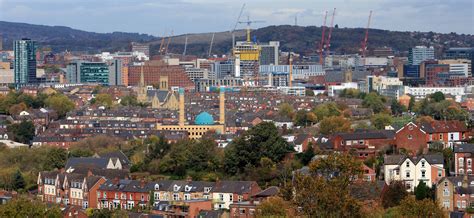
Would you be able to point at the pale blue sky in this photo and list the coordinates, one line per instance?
(194, 16)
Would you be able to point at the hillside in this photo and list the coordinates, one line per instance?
(61, 38)
(295, 38)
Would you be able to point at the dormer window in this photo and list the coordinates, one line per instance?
(176, 188)
(157, 187)
(187, 188)
(207, 189)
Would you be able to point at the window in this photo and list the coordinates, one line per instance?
(175, 197)
(131, 197)
(241, 198)
(231, 197)
(157, 196)
(446, 203)
(142, 197)
(423, 174)
(221, 197)
(446, 192)
(445, 184)
(123, 196)
(422, 163)
(441, 136)
(461, 162)
(116, 195)
(410, 137)
(469, 162)
(105, 194)
(187, 197)
(408, 164)
(463, 204)
(440, 173)
(407, 174)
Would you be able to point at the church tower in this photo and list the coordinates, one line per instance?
(142, 92)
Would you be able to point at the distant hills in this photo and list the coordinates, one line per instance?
(295, 38)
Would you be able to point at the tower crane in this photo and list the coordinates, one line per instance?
(210, 47)
(321, 44)
(169, 41)
(364, 43)
(185, 45)
(162, 44)
(328, 41)
(249, 22)
(236, 23)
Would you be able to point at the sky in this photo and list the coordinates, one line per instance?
(160, 17)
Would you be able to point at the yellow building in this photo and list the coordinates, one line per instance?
(203, 122)
(162, 98)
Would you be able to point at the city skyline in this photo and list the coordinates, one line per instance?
(198, 16)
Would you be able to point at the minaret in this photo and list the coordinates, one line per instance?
(181, 107)
(222, 106)
(290, 83)
(142, 77)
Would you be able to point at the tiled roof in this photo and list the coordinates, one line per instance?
(464, 148)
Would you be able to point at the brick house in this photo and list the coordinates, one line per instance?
(456, 193)
(126, 194)
(411, 137)
(363, 144)
(447, 132)
(463, 157)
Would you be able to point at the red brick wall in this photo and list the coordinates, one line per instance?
(418, 138)
(176, 76)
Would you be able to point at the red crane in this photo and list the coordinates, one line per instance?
(364, 43)
(328, 41)
(321, 44)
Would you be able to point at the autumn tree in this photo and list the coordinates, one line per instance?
(394, 194)
(410, 207)
(324, 192)
(104, 99)
(330, 125)
(60, 103)
(286, 110)
(272, 207)
(381, 120)
(397, 108)
(326, 110)
(374, 102)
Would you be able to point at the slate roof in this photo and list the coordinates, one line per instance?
(398, 159)
(125, 186)
(90, 162)
(117, 154)
(444, 126)
(368, 134)
(106, 173)
(239, 187)
(270, 191)
(464, 148)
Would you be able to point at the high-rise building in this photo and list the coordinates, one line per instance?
(25, 62)
(115, 72)
(153, 73)
(139, 47)
(419, 54)
(269, 54)
(88, 72)
(1, 42)
(94, 72)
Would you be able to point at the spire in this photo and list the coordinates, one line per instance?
(155, 103)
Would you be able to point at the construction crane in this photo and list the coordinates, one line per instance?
(328, 41)
(364, 43)
(185, 45)
(236, 23)
(210, 47)
(162, 44)
(169, 41)
(249, 22)
(321, 44)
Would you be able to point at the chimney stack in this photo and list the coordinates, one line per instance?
(181, 107)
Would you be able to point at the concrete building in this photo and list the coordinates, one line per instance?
(115, 72)
(196, 73)
(459, 53)
(379, 83)
(419, 54)
(223, 69)
(24, 62)
(298, 71)
(458, 61)
(422, 92)
(269, 54)
(375, 61)
(203, 85)
(294, 90)
(277, 79)
(88, 72)
(334, 90)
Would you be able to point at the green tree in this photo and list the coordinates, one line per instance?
(330, 125)
(381, 120)
(326, 110)
(303, 118)
(18, 181)
(23, 207)
(56, 158)
(397, 108)
(309, 92)
(306, 156)
(410, 207)
(412, 102)
(104, 99)
(22, 132)
(61, 104)
(374, 102)
(437, 96)
(247, 150)
(421, 191)
(349, 93)
(157, 147)
(129, 100)
(286, 110)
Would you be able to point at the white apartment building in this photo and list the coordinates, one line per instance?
(422, 92)
(412, 170)
(336, 89)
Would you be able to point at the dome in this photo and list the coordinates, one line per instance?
(204, 118)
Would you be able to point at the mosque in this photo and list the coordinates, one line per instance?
(203, 122)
